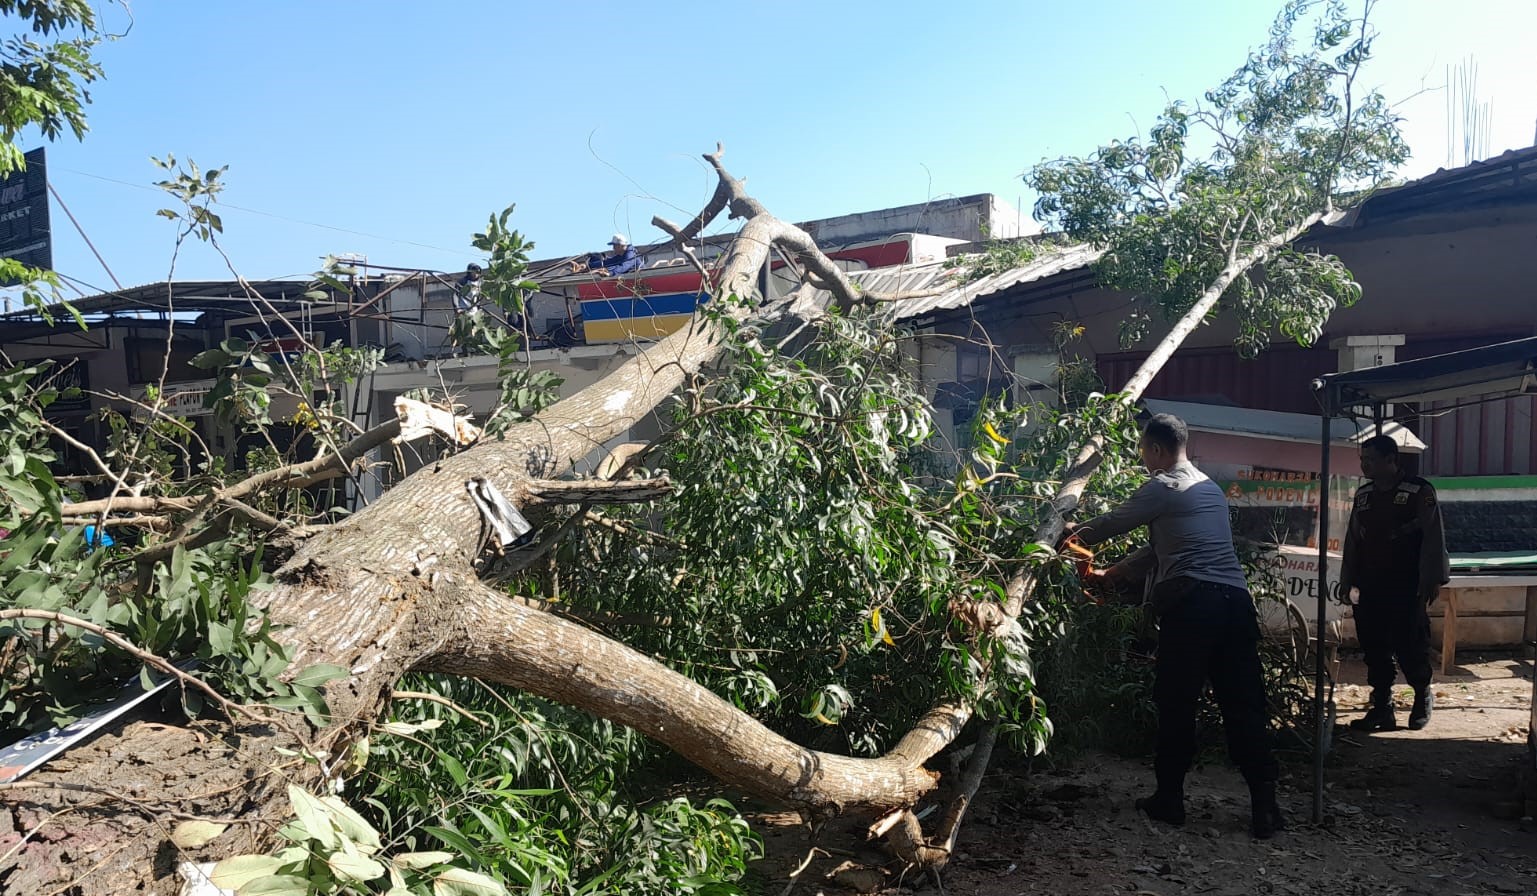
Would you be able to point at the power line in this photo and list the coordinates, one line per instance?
(372, 236)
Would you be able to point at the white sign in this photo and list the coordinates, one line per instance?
(1298, 567)
(186, 401)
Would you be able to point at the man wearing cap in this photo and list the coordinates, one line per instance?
(1395, 559)
(623, 260)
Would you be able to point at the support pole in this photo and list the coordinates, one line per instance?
(1320, 737)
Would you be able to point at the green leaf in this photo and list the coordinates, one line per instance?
(319, 674)
(353, 867)
(459, 882)
(305, 698)
(212, 359)
(452, 838)
(236, 871)
(353, 825)
(192, 834)
(455, 769)
(314, 817)
(422, 859)
(221, 639)
(401, 728)
(277, 885)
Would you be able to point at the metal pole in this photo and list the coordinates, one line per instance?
(1320, 736)
(81, 230)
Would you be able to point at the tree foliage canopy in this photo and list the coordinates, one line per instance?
(1281, 139)
(44, 75)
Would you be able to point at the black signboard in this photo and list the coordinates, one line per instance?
(24, 232)
(70, 374)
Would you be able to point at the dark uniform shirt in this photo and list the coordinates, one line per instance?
(1186, 515)
(1394, 542)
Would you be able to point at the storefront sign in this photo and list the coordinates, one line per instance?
(24, 230)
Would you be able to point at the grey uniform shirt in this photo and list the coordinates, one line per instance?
(1186, 515)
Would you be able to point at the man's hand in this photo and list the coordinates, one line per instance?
(1096, 583)
(601, 272)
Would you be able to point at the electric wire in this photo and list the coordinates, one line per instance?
(224, 205)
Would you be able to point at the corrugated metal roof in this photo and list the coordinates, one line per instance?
(1499, 177)
(1478, 168)
(181, 295)
(901, 278)
(1278, 425)
(948, 295)
(1047, 265)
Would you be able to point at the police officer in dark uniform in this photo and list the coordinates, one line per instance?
(1207, 628)
(1395, 556)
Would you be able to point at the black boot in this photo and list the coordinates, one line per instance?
(1380, 717)
(1167, 804)
(1419, 714)
(1168, 808)
(1265, 813)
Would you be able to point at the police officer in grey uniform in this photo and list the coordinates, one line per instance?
(1395, 557)
(1207, 626)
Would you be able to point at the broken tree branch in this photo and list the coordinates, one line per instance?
(551, 657)
(598, 491)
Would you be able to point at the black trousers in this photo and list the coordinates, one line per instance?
(1393, 625)
(1209, 632)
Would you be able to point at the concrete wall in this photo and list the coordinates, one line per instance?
(967, 218)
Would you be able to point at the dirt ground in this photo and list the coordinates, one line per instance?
(1436, 811)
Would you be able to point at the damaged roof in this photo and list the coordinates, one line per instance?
(952, 295)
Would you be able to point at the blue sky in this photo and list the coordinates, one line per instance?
(401, 126)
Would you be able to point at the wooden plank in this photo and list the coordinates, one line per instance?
(1529, 633)
(1449, 630)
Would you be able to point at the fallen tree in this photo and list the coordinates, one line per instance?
(394, 589)
(397, 587)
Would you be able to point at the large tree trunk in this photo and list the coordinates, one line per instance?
(393, 589)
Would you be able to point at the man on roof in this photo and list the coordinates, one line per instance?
(621, 260)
